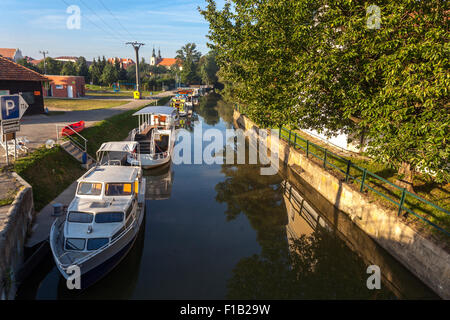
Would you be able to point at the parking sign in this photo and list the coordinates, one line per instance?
(12, 107)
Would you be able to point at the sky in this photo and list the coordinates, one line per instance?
(105, 26)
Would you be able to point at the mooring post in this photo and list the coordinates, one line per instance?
(325, 159)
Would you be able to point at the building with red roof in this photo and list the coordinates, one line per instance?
(12, 54)
(17, 79)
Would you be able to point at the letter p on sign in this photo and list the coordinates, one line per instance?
(9, 107)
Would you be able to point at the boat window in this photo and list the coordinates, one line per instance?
(109, 217)
(89, 189)
(97, 243)
(75, 244)
(118, 189)
(80, 217)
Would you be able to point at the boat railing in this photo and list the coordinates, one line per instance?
(97, 251)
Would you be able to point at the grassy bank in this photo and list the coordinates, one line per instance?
(51, 171)
(81, 104)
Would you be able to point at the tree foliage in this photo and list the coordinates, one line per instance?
(321, 65)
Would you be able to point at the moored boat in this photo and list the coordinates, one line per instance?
(72, 128)
(104, 217)
(155, 135)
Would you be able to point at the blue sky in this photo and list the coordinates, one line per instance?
(41, 25)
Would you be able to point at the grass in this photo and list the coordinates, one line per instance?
(49, 172)
(100, 91)
(436, 193)
(81, 104)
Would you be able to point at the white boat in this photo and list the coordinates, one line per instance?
(155, 135)
(104, 217)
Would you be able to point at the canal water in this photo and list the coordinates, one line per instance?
(227, 232)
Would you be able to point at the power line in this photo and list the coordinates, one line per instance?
(118, 21)
(101, 19)
(105, 31)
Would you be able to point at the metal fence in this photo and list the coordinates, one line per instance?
(360, 175)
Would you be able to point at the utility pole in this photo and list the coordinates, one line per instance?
(45, 63)
(136, 45)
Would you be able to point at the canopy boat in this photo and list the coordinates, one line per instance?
(104, 218)
(155, 135)
(72, 128)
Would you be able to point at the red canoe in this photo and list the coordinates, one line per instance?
(67, 131)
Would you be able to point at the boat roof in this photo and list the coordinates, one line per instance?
(111, 174)
(119, 146)
(165, 110)
(88, 205)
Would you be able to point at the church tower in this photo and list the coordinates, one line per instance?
(153, 60)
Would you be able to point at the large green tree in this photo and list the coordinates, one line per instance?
(189, 57)
(69, 69)
(344, 66)
(209, 68)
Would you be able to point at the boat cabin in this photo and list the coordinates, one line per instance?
(104, 207)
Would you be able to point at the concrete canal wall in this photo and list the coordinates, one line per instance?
(425, 259)
(13, 235)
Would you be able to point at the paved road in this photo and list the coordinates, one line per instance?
(39, 128)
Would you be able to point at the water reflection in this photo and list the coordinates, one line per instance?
(300, 258)
(159, 182)
(212, 108)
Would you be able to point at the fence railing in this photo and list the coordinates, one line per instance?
(359, 174)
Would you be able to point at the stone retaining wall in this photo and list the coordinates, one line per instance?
(12, 239)
(424, 258)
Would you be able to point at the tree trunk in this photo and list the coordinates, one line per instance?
(406, 178)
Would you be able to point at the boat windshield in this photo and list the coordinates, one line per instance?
(80, 217)
(109, 217)
(89, 189)
(95, 244)
(118, 189)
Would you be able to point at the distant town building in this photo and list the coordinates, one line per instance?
(65, 87)
(164, 62)
(12, 54)
(124, 62)
(66, 59)
(15, 78)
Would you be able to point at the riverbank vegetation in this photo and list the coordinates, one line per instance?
(49, 172)
(378, 72)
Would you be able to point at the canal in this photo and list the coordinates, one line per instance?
(225, 231)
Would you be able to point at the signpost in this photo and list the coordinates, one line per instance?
(12, 108)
